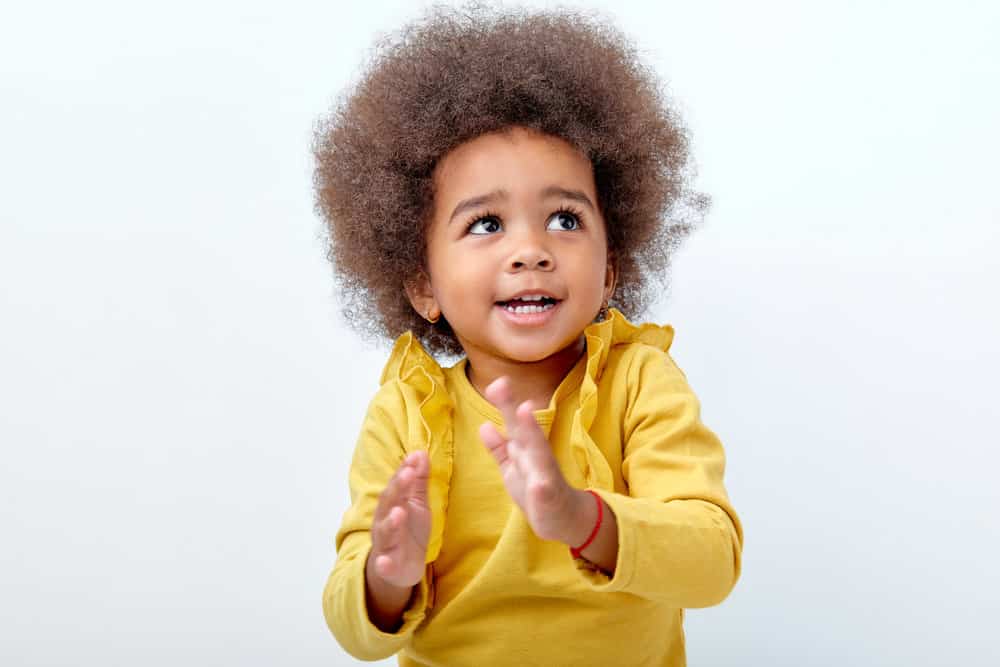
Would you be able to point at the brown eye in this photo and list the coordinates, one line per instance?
(563, 221)
(485, 225)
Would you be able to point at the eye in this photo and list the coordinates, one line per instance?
(488, 224)
(564, 221)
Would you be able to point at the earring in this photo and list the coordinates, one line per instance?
(428, 318)
(602, 314)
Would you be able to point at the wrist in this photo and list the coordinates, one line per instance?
(582, 519)
(385, 601)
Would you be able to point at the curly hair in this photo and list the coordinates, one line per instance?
(456, 74)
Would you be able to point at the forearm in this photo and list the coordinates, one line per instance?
(683, 552)
(384, 601)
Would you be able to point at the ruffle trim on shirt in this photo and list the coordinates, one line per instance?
(601, 337)
(429, 423)
(429, 408)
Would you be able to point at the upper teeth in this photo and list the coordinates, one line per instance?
(531, 297)
(530, 309)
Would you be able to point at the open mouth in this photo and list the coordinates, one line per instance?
(528, 305)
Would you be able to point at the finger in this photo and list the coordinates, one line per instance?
(420, 466)
(385, 533)
(530, 434)
(413, 458)
(388, 564)
(390, 494)
(384, 503)
(404, 477)
(404, 480)
(519, 458)
(499, 394)
(495, 443)
(385, 566)
(531, 452)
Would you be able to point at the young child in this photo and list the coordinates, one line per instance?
(502, 187)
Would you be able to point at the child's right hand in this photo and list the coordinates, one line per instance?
(402, 524)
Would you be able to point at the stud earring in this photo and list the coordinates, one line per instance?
(428, 318)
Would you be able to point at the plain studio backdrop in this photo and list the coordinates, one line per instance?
(179, 396)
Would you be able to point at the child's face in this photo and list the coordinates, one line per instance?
(515, 214)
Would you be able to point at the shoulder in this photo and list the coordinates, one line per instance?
(653, 383)
(388, 402)
(628, 356)
(649, 358)
(410, 376)
(638, 363)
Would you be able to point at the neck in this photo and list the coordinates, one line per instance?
(529, 380)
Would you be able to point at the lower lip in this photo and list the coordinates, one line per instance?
(528, 319)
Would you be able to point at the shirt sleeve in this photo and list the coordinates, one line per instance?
(377, 456)
(679, 539)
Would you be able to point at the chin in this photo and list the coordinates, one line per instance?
(523, 356)
(532, 358)
(528, 354)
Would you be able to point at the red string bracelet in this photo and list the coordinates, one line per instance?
(600, 518)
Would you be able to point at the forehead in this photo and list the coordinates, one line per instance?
(517, 160)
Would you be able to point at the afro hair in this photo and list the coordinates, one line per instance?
(456, 74)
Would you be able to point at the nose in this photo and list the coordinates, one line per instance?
(530, 253)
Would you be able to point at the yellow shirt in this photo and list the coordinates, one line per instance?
(625, 423)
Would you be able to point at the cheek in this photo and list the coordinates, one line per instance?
(598, 266)
(459, 282)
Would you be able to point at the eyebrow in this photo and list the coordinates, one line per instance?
(553, 191)
(563, 193)
(476, 202)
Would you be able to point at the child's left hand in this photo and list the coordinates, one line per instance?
(530, 470)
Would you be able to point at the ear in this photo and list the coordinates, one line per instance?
(610, 278)
(421, 296)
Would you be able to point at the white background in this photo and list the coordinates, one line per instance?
(179, 397)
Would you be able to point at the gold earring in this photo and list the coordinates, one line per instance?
(428, 318)
(602, 314)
